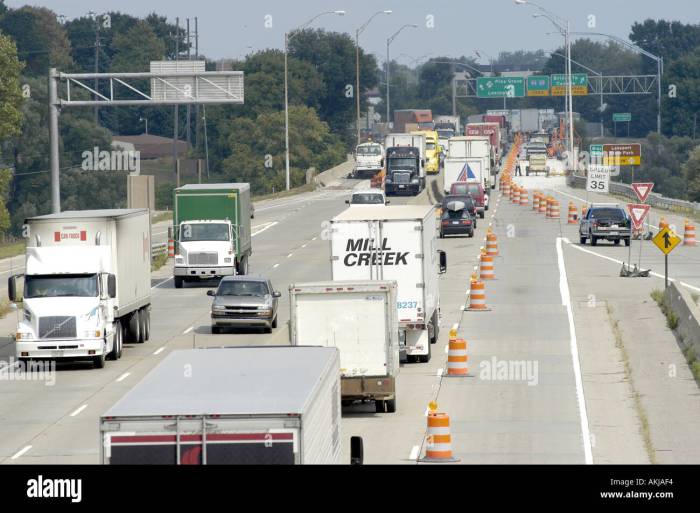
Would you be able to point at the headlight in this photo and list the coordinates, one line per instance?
(218, 308)
(415, 180)
(20, 335)
(179, 260)
(264, 313)
(92, 334)
(227, 260)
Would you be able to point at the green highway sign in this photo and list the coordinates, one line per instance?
(538, 85)
(579, 84)
(500, 87)
(596, 150)
(620, 117)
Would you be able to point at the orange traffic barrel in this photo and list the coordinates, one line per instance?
(689, 234)
(491, 243)
(171, 248)
(663, 223)
(439, 440)
(477, 295)
(486, 269)
(553, 209)
(544, 204)
(523, 197)
(457, 358)
(571, 217)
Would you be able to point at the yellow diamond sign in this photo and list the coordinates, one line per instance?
(666, 240)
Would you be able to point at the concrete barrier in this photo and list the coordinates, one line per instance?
(681, 302)
(334, 175)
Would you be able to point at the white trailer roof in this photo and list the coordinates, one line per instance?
(82, 214)
(213, 186)
(384, 213)
(229, 381)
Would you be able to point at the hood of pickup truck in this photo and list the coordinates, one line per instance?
(250, 301)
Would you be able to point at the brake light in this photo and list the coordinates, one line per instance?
(466, 222)
(445, 222)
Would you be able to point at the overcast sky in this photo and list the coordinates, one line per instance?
(228, 28)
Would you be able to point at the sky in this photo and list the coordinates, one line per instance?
(445, 27)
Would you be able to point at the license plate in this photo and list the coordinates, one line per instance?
(402, 186)
(614, 233)
(455, 222)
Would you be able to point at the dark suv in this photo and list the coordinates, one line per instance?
(605, 221)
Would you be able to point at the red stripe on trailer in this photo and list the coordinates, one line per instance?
(213, 437)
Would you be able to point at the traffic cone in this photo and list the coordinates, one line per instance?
(439, 441)
(571, 218)
(491, 243)
(523, 197)
(171, 248)
(506, 189)
(457, 358)
(486, 270)
(554, 210)
(689, 234)
(535, 201)
(477, 295)
(515, 197)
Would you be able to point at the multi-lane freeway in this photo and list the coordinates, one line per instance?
(594, 389)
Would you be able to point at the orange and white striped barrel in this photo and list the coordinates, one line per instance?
(663, 223)
(477, 294)
(571, 217)
(544, 203)
(439, 440)
(506, 188)
(554, 210)
(515, 197)
(486, 269)
(523, 197)
(491, 244)
(535, 201)
(689, 234)
(457, 358)
(171, 248)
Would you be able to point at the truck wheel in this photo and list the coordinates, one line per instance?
(482, 214)
(391, 405)
(425, 358)
(178, 282)
(242, 266)
(594, 241)
(274, 322)
(582, 239)
(215, 330)
(379, 406)
(627, 241)
(616, 242)
(142, 326)
(99, 361)
(147, 324)
(118, 341)
(435, 327)
(134, 327)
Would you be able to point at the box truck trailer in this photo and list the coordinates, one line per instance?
(87, 285)
(395, 243)
(476, 147)
(369, 160)
(211, 223)
(359, 318)
(237, 405)
(463, 170)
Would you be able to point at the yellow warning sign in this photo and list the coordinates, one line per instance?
(666, 240)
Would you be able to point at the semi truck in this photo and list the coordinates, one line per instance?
(422, 117)
(211, 224)
(87, 285)
(476, 147)
(231, 406)
(432, 151)
(395, 243)
(359, 318)
(405, 163)
(369, 160)
(467, 169)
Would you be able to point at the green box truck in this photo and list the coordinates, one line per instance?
(211, 225)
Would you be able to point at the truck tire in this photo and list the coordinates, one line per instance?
(147, 335)
(379, 406)
(134, 330)
(616, 242)
(99, 361)
(178, 282)
(274, 322)
(391, 405)
(436, 328)
(482, 214)
(118, 342)
(582, 239)
(142, 325)
(242, 266)
(594, 240)
(215, 330)
(627, 241)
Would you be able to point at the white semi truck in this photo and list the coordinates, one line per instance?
(87, 285)
(395, 243)
(230, 406)
(360, 319)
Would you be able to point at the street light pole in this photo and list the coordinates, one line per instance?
(388, 61)
(286, 89)
(357, 65)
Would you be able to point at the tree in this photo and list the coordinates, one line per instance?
(680, 113)
(691, 173)
(41, 41)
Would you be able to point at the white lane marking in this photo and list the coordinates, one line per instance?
(275, 266)
(289, 255)
(439, 372)
(414, 452)
(188, 330)
(77, 412)
(21, 452)
(314, 238)
(303, 245)
(566, 301)
(161, 283)
(656, 275)
(123, 376)
(158, 351)
(269, 225)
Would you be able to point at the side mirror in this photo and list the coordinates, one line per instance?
(276, 294)
(357, 451)
(211, 293)
(387, 202)
(443, 261)
(12, 288)
(111, 286)
(347, 202)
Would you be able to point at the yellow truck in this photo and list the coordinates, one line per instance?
(433, 151)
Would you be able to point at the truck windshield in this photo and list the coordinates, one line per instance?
(445, 134)
(402, 163)
(204, 232)
(242, 288)
(430, 146)
(373, 150)
(64, 285)
(367, 199)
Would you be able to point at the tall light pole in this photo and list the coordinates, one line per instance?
(357, 65)
(563, 26)
(478, 54)
(659, 66)
(388, 62)
(287, 35)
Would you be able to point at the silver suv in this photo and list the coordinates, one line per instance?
(606, 221)
(244, 301)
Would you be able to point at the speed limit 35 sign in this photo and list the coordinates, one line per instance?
(598, 179)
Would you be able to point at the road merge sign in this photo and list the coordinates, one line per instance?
(642, 190)
(598, 179)
(622, 154)
(666, 240)
(637, 213)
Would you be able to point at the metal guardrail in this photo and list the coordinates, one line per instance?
(158, 249)
(655, 200)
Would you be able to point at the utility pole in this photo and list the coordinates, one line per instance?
(96, 20)
(189, 107)
(196, 107)
(53, 141)
(176, 113)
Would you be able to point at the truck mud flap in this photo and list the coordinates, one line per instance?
(369, 387)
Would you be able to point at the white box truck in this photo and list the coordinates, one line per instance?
(463, 170)
(87, 285)
(476, 147)
(230, 406)
(395, 243)
(369, 160)
(360, 319)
